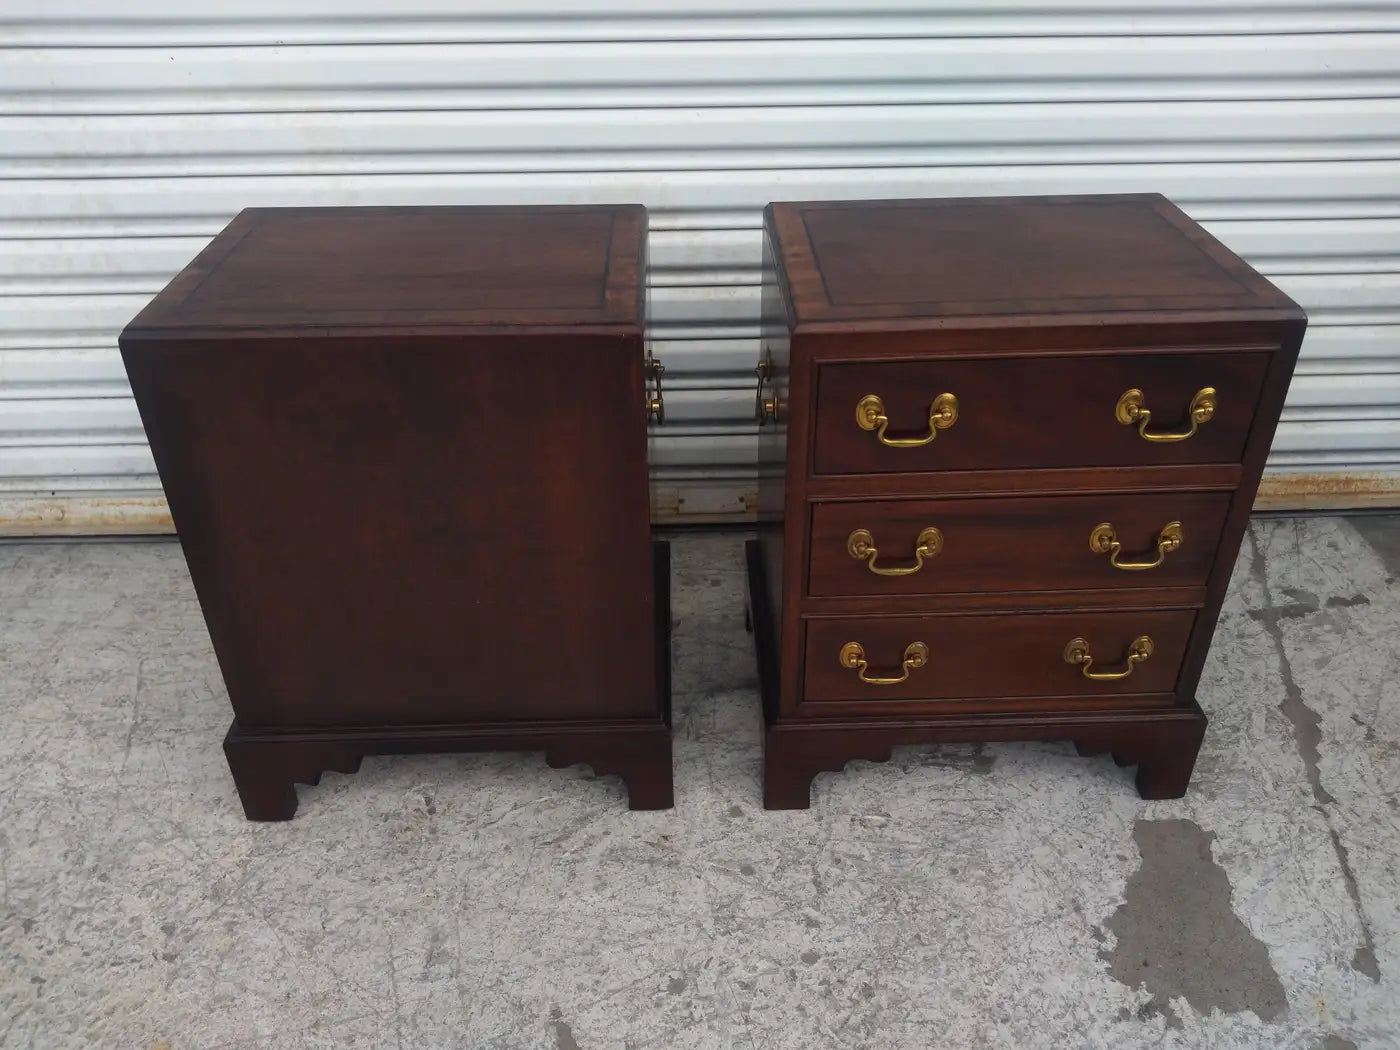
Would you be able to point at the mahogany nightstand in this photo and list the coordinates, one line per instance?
(405, 451)
(1009, 451)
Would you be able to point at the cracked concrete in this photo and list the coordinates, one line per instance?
(1306, 724)
(1363, 960)
(1001, 895)
(1307, 729)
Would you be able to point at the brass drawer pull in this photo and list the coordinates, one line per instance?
(853, 657)
(655, 406)
(766, 406)
(1104, 540)
(860, 545)
(942, 414)
(1130, 410)
(1077, 652)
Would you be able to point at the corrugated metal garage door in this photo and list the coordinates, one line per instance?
(133, 129)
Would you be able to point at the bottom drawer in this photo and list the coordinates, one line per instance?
(1008, 655)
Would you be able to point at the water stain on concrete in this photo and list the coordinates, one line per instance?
(563, 1036)
(1302, 603)
(1368, 732)
(1338, 602)
(1177, 936)
(1305, 603)
(1382, 533)
(981, 761)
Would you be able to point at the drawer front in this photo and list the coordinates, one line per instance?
(1007, 655)
(1032, 412)
(978, 545)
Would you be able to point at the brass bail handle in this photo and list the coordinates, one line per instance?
(860, 545)
(1132, 409)
(853, 658)
(1104, 540)
(871, 415)
(1077, 652)
(765, 406)
(655, 404)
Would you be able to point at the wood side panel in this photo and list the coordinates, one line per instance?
(405, 453)
(773, 383)
(1237, 522)
(441, 562)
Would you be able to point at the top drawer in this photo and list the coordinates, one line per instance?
(1027, 412)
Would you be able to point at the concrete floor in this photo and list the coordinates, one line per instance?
(979, 896)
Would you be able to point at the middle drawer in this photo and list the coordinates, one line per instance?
(1049, 543)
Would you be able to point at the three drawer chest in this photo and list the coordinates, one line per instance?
(1008, 452)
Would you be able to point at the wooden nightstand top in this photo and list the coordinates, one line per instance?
(326, 271)
(1017, 259)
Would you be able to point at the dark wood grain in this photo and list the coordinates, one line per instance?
(398, 527)
(267, 764)
(771, 387)
(1100, 600)
(360, 530)
(1232, 536)
(1037, 313)
(1028, 706)
(1161, 741)
(1038, 544)
(275, 270)
(1022, 257)
(1219, 477)
(994, 655)
(1034, 412)
(1163, 745)
(763, 624)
